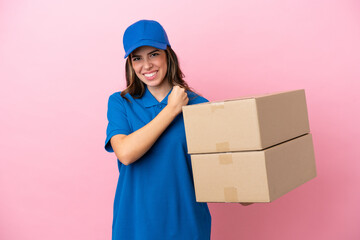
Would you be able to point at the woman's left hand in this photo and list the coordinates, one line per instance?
(246, 204)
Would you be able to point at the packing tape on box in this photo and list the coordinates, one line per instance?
(225, 159)
(223, 147)
(230, 194)
(216, 106)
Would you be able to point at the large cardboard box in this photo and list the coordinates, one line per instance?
(248, 123)
(254, 176)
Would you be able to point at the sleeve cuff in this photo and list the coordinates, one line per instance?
(108, 146)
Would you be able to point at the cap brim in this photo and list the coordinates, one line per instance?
(150, 43)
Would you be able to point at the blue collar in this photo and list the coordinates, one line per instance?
(149, 100)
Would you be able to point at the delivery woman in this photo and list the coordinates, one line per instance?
(155, 197)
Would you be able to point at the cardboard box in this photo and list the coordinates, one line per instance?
(254, 176)
(250, 123)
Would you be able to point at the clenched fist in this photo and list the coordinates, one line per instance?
(177, 98)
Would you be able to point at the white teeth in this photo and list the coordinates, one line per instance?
(150, 74)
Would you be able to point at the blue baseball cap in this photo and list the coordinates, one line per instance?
(145, 33)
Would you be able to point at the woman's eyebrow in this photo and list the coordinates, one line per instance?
(134, 55)
(156, 50)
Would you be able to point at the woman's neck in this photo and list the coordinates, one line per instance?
(160, 92)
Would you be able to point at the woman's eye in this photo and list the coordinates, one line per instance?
(136, 59)
(154, 54)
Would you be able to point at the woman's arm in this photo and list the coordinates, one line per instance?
(129, 148)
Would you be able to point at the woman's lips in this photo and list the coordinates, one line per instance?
(150, 76)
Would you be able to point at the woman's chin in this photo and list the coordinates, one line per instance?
(154, 83)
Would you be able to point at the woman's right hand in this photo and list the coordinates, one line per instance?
(177, 98)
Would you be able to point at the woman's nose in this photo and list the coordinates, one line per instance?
(147, 64)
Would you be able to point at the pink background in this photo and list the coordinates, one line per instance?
(61, 59)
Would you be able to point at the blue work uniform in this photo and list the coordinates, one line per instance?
(155, 196)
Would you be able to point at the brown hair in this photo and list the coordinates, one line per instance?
(136, 88)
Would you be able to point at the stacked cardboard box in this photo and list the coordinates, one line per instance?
(251, 149)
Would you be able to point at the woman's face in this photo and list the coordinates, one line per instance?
(150, 65)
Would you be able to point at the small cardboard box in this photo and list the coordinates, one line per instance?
(249, 123)
(254, 176)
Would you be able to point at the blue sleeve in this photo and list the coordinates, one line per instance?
(117, 119)
(195, 98)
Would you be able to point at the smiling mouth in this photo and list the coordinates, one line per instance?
(150, 74)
